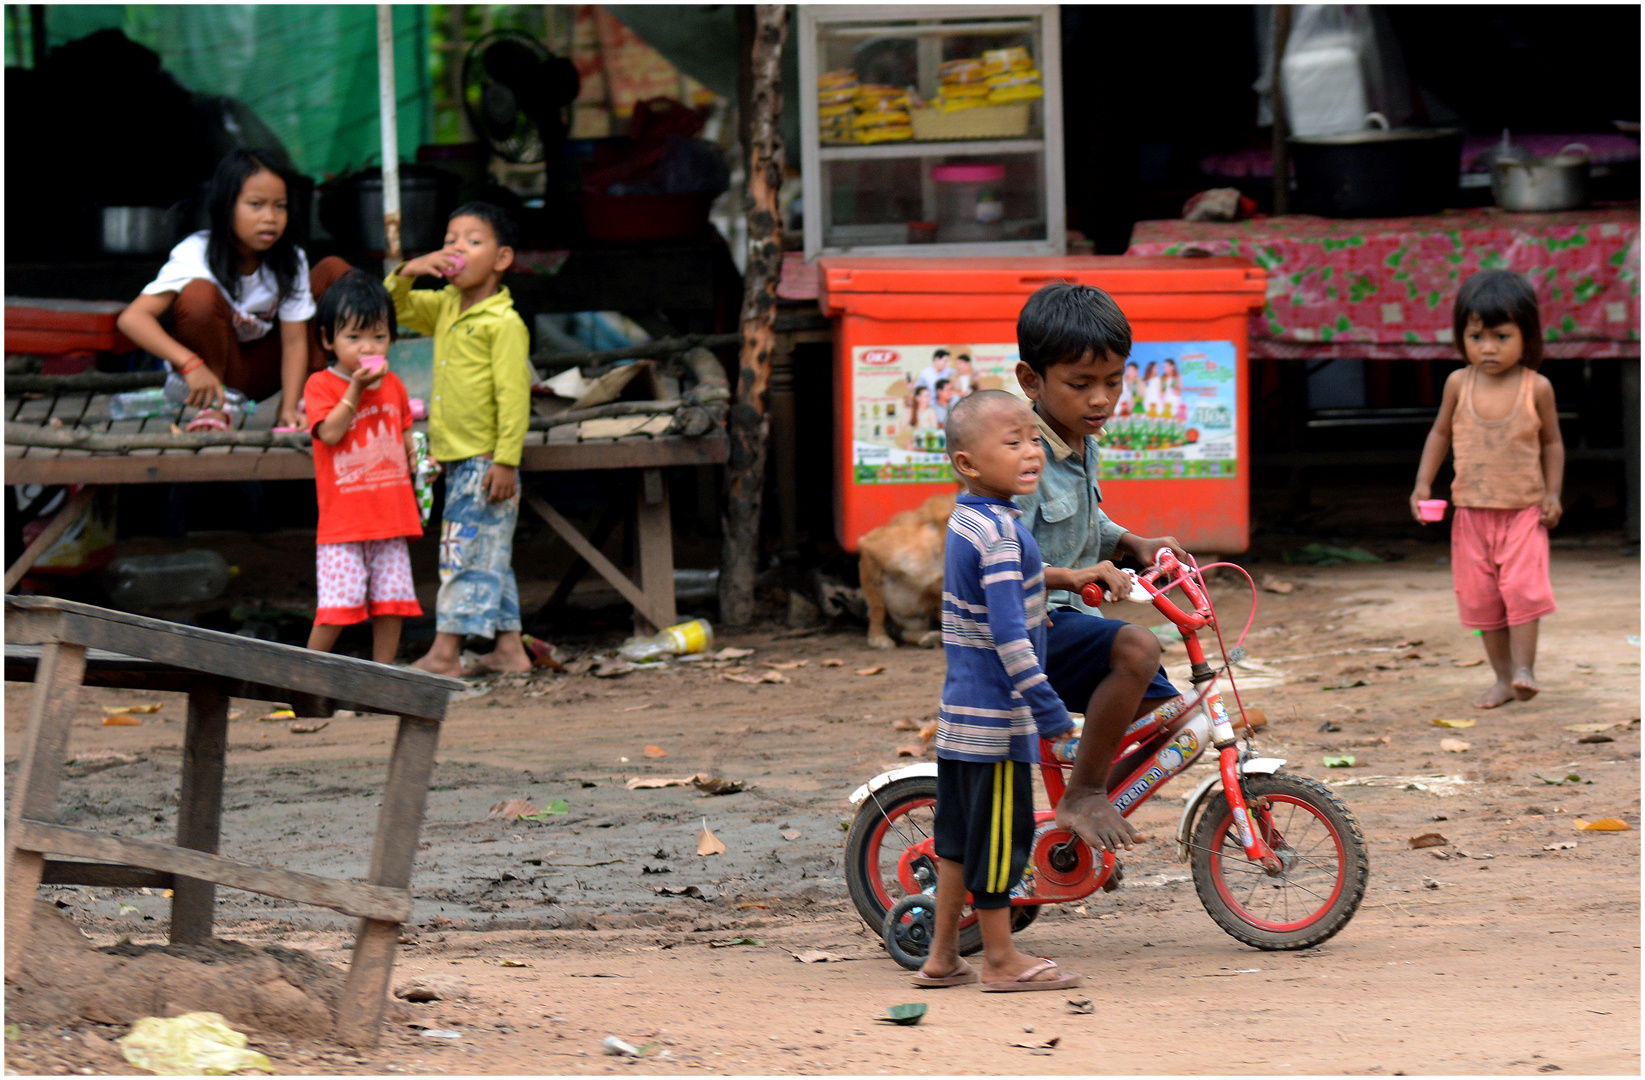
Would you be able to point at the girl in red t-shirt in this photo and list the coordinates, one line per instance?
(360, 417)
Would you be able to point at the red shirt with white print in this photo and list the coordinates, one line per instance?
(363, 483)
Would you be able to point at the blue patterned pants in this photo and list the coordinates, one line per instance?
(478, 595)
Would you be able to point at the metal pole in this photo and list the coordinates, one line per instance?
(1282, 150)
(391, 136)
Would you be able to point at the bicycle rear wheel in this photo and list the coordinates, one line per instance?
(1324, 871)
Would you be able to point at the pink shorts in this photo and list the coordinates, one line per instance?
(1499, 567)
(363, 579)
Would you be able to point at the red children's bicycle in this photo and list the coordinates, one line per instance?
(1278, 861)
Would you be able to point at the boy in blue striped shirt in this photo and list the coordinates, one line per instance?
(996, 702)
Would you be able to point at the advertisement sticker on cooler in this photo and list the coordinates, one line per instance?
(1176, 416)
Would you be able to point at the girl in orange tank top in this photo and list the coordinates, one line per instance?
(1498, 417)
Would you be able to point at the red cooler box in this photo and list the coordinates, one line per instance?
(912, 335)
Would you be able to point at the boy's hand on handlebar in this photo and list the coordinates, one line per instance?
(1142, 548)
(1114, 581)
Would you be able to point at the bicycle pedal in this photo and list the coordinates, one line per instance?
(1116, 878)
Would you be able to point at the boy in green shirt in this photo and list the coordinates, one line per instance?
(477, 421)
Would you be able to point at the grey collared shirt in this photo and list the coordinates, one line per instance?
(1064, 513)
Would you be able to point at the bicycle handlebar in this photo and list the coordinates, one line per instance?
(1143, 590)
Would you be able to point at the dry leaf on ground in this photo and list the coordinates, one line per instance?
(733, 654)
(121, 720)
(1427, 840)
(833, 663)
(1272, 584)
(1454, 723)
(1609, 824)
(658, 782)
(277, 714)
(786, 665)
(817, 956)
(910, 751)
(716, 785)
(1454, 746)
(1466, 663)
(512, 808)
(655, 752)
(309, 729)
(134, 707)
(1596, 728)
(708, 843)
(869, 670)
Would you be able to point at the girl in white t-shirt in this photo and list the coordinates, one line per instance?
(240, 294)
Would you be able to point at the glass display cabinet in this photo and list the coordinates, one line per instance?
(931, 130)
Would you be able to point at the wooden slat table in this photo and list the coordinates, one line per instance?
(551, 451)
(60, 646)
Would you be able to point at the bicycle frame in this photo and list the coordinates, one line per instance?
(1161, 745)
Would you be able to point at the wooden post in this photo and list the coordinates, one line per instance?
(1282, 151)
(34, 792)
(746, 421)
(360, 1008)
(200, 810)
(388, 110)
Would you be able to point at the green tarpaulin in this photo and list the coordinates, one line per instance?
(309, 71)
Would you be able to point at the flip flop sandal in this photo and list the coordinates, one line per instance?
(963, 976)
(1027, 981)
(208, 420)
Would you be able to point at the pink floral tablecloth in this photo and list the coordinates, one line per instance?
(1383, 288)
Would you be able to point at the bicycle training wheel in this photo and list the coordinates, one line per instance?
(1324, 865)
(889, 822)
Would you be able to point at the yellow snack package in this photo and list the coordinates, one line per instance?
(826, 112)
(836, 80)
(1004, 95)
(889, 133)
(880, 118)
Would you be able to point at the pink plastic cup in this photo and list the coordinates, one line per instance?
(374, 365)
(457, 269)
(1431, 509)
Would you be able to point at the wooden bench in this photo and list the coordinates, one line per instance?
(60, 646)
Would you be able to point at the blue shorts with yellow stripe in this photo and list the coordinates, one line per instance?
(985, 820)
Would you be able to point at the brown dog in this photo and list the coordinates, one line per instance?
(901, 568)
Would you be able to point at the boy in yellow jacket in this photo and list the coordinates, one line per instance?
(477, 422)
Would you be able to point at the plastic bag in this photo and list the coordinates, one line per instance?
(1328, 45)
(194, 1044)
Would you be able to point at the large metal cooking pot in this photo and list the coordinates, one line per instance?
(1542, 184)
(138, 230)
(1379, 172)
(351, 208)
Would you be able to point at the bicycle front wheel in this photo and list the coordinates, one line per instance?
(1320, 847)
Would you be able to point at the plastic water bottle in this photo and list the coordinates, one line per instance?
(234, 402)
(690, 637)
(139, 404)
(143, 581)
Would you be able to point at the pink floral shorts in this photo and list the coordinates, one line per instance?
(363, 579)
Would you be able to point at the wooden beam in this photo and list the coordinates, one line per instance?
(96, 382)
(746, 422)
(668, 346)
(351, 898)
(596, 558)
(48, 536)
(34, 792)
(80, 439)
(200, 810)
(380, 687)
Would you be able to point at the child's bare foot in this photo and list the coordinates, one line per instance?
(1093, 819)
(509, 657)
(1525, 687)
(439, 665)
(1500, 693)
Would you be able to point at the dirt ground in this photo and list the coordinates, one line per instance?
(1504, 951)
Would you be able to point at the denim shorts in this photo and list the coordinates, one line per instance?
(478, 595)
(1076, 657)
